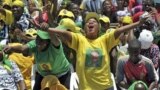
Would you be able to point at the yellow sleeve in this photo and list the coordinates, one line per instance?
(75, 41)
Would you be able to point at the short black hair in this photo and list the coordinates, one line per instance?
(134, 43)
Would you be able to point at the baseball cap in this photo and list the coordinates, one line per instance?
(67, 13)
(145, 38)
(127, 20)
(51, 82)
(18, 3)
(43, 34)
(104, 19)
(31, 32)
(69, 24)
(92, 15)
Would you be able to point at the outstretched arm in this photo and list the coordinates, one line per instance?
(125, 29)
(130, 26)
(18, 49)
(65, 36)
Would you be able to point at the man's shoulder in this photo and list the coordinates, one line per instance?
(123, 59)
(146, 60)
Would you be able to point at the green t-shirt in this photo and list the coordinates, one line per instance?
(51, 61)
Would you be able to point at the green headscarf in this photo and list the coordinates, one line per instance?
(136, 82)
(6, 62)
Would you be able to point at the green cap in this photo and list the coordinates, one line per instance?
(43, 34)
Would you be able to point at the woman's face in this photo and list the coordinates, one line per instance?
(92, 28)
(107, 6)
(41, 44)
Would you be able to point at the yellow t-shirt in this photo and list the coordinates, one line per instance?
(93, 61)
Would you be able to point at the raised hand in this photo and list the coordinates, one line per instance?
(44, 26)
(144, 17)
(7, 49)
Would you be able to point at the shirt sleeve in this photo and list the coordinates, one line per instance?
(152, 74)
(16, 72)
(120, 71)
(31, 45)
(75, 41)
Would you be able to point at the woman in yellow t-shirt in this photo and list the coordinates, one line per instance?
(93, 61)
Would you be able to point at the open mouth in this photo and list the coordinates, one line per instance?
(90, 27)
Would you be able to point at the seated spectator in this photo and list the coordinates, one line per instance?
(10, 75)
(148, 48)
(135, 67)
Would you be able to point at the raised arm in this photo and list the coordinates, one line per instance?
(125, 29)
(65, 36)
(130, 26)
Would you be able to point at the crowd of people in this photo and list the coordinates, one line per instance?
(93, 38)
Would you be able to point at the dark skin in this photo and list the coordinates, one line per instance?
(135, 57)
(17, 12)
(91, 33)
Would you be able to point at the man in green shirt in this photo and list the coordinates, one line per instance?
(49, 57)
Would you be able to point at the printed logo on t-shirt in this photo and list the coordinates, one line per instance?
(93, 58)
(45, 66)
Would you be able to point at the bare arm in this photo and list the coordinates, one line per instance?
(54, 39)
(18, 49)
(65, 36)
(22, 85)
(131, 26)
(125, 29)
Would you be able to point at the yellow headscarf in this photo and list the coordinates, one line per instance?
(18, 3)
